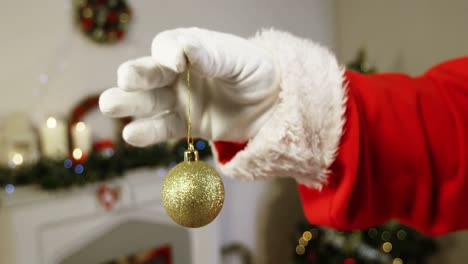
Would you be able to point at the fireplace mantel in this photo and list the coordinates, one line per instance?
(39, 227)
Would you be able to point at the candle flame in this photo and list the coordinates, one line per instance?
(77, 153)
(80, 126)
(51, 122)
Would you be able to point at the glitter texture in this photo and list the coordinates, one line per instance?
(193, 194)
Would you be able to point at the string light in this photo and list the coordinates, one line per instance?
(87, 12)
(387, 247)
(68, 163)
(372, 232)
(303, 242)
(401, 234)
(77, 154)
(161, 172)
(109, 152)
(200, 145)
(43, 78)
(385, 235)
(9, 188)
(17, 159)
(307, 235)
(397, 261)
(124, 18)
(79, 169)
(112, 3)
(300, 249)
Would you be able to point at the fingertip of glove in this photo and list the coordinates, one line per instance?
(189, 47)
(136, 136)
(168, 52)
(106, 105)
(128, 77)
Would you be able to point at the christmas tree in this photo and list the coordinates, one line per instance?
(389, 243)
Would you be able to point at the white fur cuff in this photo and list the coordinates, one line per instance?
(301, 137)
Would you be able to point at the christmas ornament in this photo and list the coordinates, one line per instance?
(193, 192)
(108, 196)
(104, 21)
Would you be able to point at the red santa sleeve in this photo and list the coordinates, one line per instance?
(363, 148)
(403, 154)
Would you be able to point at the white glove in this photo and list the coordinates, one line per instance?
(235, 85)
(282, 94)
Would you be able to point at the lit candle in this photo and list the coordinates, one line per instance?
(81, 139)
(54, 139)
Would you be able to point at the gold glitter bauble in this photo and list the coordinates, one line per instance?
(193, 193)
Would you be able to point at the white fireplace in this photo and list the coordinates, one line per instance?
(73, 226)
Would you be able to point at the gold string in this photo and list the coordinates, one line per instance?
(189, 112)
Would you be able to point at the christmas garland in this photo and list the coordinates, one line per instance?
(53, 174)
(106, 161)
(388, 243)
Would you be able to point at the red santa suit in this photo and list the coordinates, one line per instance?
(363, 148)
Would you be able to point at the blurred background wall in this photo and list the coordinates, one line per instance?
(406, 36)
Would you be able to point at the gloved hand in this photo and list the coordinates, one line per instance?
(282, 94)
(234, 86)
